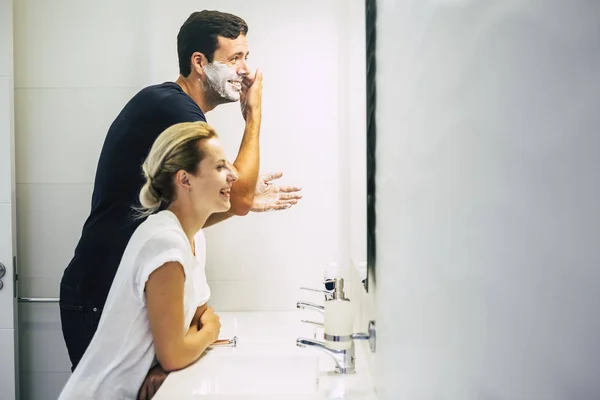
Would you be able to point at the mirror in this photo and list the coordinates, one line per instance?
(370, 16)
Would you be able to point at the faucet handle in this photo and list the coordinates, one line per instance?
(316, 290)
(331, 284)
(312, 322)
(370, 336)
(328, 293)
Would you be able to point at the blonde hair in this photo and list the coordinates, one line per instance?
(176, 148)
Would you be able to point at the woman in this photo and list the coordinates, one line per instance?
(156, 310)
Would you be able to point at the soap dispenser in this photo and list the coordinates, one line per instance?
(332, 271)
(339, 319)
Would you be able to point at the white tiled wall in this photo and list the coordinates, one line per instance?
(6, 294)
(78, 63)
(7, 317)
(6, 48)
(8, 368)
(7, 377)
(56, 145)
(45, 365)
(6, 115)
(48, 218)
(80, 44)
(63, 115)
(488, 190)
(67, 92)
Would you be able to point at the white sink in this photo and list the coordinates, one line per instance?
(266, 327)
(265, 362)
(246, 370)
(266, 365)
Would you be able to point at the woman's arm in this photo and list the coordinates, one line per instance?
(176, 347)
(199, 311)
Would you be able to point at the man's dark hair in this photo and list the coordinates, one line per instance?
(200, 33)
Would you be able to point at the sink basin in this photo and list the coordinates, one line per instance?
(244, 371)
(266, 362)
(266, 365)
(266, 327)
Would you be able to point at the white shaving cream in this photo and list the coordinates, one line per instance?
(220, 76)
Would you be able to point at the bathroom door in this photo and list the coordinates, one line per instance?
(8, 309)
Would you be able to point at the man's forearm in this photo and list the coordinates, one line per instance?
(247, 164)
(216, 218)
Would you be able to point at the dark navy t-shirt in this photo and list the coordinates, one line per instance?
(119, 179)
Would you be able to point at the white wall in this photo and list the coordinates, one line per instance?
(8, 388)
(78, 63)
(73, 73)
(355, 158)
(302, 135)
(488, 191)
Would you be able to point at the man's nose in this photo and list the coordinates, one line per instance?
(243, 69)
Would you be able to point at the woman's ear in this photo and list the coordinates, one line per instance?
(182, 180)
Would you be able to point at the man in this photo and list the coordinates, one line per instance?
(212, 51)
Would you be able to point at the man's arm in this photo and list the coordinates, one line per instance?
(247, 162)
(216, 218)
(247, 165)
(267, 197)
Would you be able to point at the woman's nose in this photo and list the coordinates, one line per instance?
(232, 176)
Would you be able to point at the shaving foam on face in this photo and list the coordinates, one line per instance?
(224, 80)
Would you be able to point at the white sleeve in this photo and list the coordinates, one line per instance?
(166, 246)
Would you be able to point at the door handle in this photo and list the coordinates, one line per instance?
(2, 273)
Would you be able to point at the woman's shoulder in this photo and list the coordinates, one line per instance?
(164, 219)
(159, 229)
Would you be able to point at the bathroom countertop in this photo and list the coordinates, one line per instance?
(267, 365)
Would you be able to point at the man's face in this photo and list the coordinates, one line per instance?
(225, 74)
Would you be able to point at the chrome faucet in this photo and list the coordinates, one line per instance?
(315, 307)
(310, 306)
(328, 293)
(344, 358)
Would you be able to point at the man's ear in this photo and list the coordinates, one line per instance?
(198, 61)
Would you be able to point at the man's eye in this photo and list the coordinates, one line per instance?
(220, 167)
(235, 59)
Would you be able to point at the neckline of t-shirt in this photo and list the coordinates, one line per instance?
(177, 87)
(172, 215)
(180, 90)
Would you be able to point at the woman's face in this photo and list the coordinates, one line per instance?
(212, 183)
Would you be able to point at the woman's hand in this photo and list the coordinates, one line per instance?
(210, 322)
